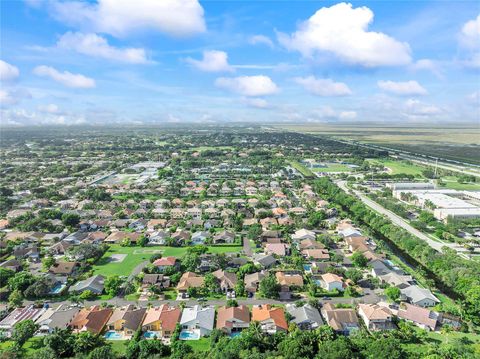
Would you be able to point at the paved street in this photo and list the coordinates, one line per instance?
(399, 221)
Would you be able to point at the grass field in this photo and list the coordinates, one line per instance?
(397, 167)
(333, 167)
(301, 168)
(201, 345)
(452, 183)
(137, 255)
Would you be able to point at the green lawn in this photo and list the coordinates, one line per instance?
(30, 346)
(118, 346)
(400, 167)
(333, 167)
(452, 183)
(301, 168)
(201, 345)
(137, 255)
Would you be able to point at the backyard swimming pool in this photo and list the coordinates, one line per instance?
(113, 335)
(150, 335)
(188, 335)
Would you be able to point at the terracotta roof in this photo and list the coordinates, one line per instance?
(168, 316)
(375, 311)
(190, 279)
(289, 279)
(331, 277)
(165, 261)
(418, 314)
(92, 319)
(316, 253)
(265, 312)
(225, 314)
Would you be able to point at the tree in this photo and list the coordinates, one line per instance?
(15, 299)
(113, 285)
(354, 275)
(24, 330)
(61, 341)
(339, 348)
(38, 289)
(269, 287)
(5, 275)
(180, 350)
(359, 260)
(86, 295)
(142, 241)
(392, 293)
(87, 341)
(70, 219)
(379, 347)
(211, 284)
(103, 352)
(47, 262)
(44, 353)
(21, 281)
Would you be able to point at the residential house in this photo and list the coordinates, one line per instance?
(161, 320)
(302, 234)
(200, 237)
(198, 320)
(126, 320)
(418, 296)
(331, 281)
(60, 248)
(165, 262)
(278, 249)
(92, 319)
(309, 243)
(376, 317)
(95, 284)
(421, 317)
(55, 318)
(306, 317)
(224, 237)
(227, 280)
(316, 254)
(12, 264)
(264, 260)
(19, 315)
(252, 281)
(189, 280)
(67, 269)
(120, 236)
(158, 280)
(341, 320)
(271, 319)
(233, 319)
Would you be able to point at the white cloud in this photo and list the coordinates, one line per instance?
(323, 87)
(8, 72)
(50, 108)
(417, 109)
(470, 33)
(259, 85)
(213, 61)
(260, 39)
(65, 78)
(343, 31)
(97, 46)
(474, 98)
(407, 88)
(121, 17)
(470, 40)
(22, 117)
(256, 102)
(328, 113)
(428, 65)
(13, 96)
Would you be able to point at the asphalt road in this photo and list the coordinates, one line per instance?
(399, 221)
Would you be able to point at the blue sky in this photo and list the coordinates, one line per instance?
(118, 61)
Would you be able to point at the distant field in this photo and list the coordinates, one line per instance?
(397, 167)
(301, 168)
(333, 167)
(456, 143)
(137, 255)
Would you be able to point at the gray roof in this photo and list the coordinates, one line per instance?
(205, 316)
(95, 284)
(265, 260)
(415, 294)
(57, 318)
(305, 314)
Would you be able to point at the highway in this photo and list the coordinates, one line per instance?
(400, 222)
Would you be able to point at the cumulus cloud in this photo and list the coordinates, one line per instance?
(97, 46)
(121, 17)
(10, 97)
(256, 102)
(342, 30)
(212, 61)
(65, 78)
(251, 86)
(428, 65)
(8, 72)
(323, 87)
(22, 117)
(328, 113)
(470, 41)
(407, 88)
(50, 108)
(417, 109)
(260, 39)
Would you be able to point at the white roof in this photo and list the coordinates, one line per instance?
(205, 316)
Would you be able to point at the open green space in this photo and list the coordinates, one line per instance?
(301, 168)
(397, 167)
(136, 255)
(451, 182)
(201, 345)
(333, 167)
(212, 148)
